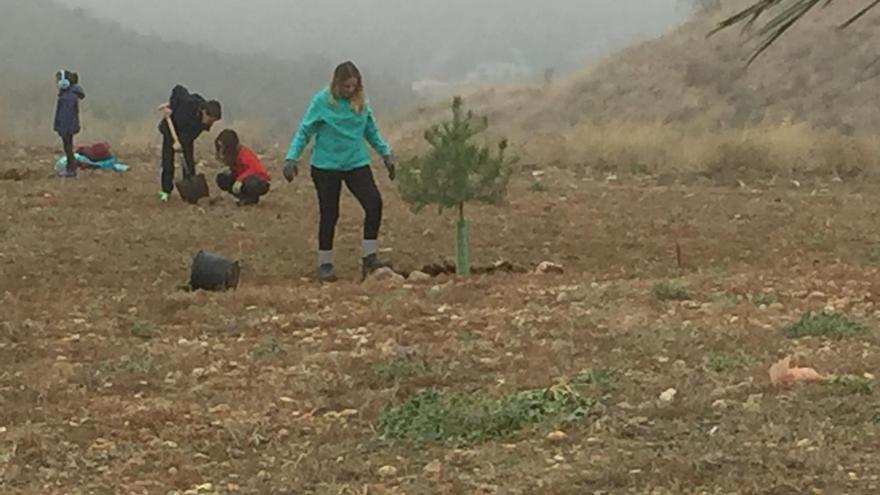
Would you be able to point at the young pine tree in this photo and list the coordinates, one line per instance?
(456, 171)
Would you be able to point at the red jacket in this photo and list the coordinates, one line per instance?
(247, 164)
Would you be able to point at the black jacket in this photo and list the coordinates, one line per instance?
(187, 115)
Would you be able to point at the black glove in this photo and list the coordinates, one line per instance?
(391, 166)
(291, 169)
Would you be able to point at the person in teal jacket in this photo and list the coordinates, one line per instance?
(341, 121)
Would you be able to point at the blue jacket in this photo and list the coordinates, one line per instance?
(67, 110)
(340, 134)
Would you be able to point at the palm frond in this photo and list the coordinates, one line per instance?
(782, 20)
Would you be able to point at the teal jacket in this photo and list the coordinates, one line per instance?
(339, 134)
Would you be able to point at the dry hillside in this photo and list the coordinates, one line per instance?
(684, 102)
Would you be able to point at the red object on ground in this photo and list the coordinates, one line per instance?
(95, 152)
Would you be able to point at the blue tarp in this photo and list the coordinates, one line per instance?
(108, 164)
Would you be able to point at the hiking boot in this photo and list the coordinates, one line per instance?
(164, 197)
(372, 263)
(327, 273)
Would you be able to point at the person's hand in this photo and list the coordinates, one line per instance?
(391, 166)
(165, 108)
(291, 169)
(236, 187)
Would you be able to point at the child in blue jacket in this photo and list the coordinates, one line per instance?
(341, 121)
(67, 115)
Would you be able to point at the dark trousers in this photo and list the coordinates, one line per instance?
(189, 164)
(251, 188)
(67, 143)
(360, 182)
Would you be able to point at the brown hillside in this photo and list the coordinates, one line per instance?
(806, 99)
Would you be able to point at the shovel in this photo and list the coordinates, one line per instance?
(192, 188)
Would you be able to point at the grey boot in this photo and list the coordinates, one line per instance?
(327, 273)
(371, 263)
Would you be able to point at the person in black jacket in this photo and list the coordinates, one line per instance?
(191, 115)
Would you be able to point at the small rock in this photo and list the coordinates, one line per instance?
(172, 471)
(639, 420)
(816, 295)
(574, 295)
(386, 273)
(388, 348)
(418, 276)
(719, 404)
(556, 436)
(668, 395)
(387, 471)
(547, 268)
(753, 404)
(433, 467)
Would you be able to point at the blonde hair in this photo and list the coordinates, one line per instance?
(343, 73)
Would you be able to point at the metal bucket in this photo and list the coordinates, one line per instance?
(213, 272)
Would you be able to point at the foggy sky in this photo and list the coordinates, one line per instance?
(418, 38)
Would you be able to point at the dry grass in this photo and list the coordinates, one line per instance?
(626, 148)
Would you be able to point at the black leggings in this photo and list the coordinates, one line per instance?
(168, 159)
(67, 143)
(360, 182)
(251, 188)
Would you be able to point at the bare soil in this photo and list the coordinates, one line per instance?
(112, 380)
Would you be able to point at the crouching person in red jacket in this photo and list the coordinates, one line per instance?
(247, 178)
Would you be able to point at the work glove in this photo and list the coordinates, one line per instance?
(291, 169)
(391, 166)
(236, 187)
